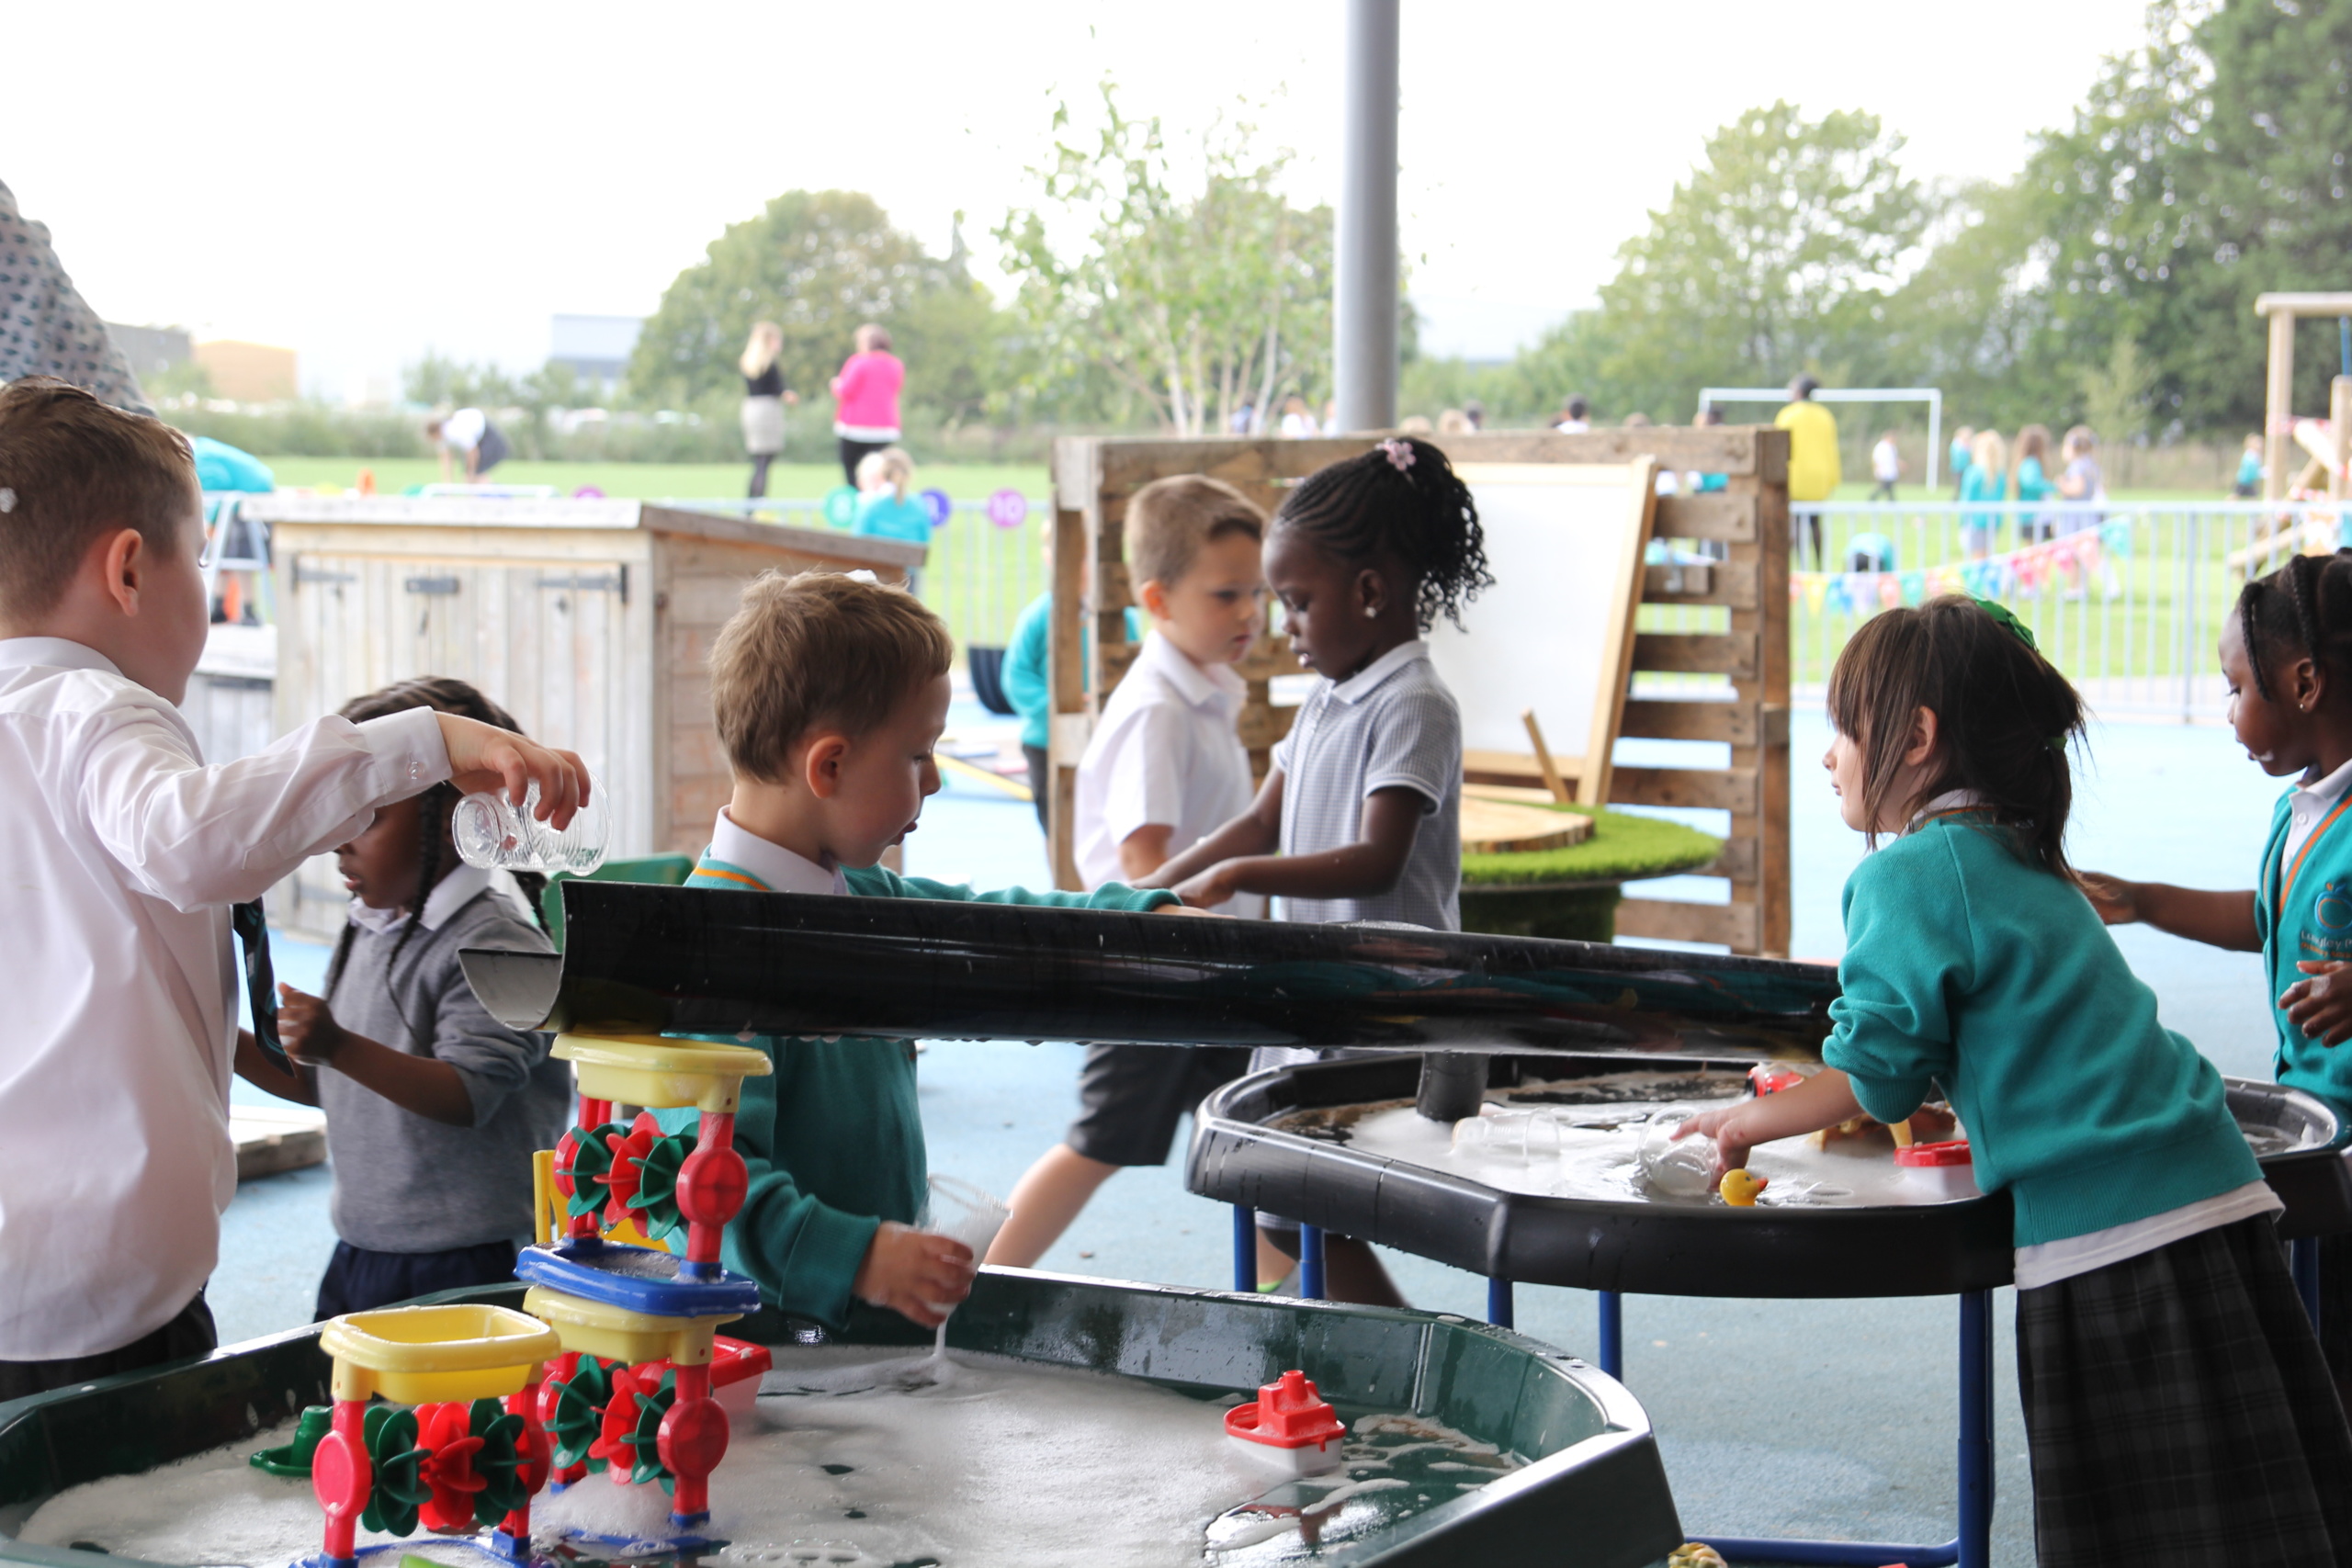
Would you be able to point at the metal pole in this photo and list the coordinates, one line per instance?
(1935, 437)
(1976, 1430)
(1245, 1247)
(1498, 1303)
(1365, 303)
(1311, 1262)
(1611, 1310)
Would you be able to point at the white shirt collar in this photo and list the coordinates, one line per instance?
(54, 652)
(451, 893)
(780, 868)
(1365, 681)
(1198, 684)
(2323, 794)
(1950, 800)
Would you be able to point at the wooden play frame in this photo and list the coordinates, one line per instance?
(1094, 476)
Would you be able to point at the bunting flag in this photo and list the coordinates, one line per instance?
(2068, 563)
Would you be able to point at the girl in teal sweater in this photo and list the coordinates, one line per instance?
(2176, 1407)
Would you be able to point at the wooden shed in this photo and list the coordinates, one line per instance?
(590, 620)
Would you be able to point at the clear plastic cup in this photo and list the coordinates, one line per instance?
(1509, 1133)
(1684, 1170)
(495, 835)
(970, 1216)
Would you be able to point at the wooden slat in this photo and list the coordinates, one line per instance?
(1736, 723)
(1695, 789)
(1117, 659)
(1715, 582)
(1732, 654)
(1127, 465)
(1727, 516)
(1262, 728)
(1734, 926)
(1514, 770)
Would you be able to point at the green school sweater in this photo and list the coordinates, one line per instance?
(834, 1139)
(1965, 964)
(2304, 913)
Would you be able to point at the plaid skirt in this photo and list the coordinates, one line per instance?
(2178, 1412)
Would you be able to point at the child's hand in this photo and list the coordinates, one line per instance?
(1731, 1148)
(2321, 1006)
(1209, 889)
(484, 757)
(2117, 901)
(915, 1273)
(306, 1028)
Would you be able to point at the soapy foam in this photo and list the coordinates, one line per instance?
(844, 1464)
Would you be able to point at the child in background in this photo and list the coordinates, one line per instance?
(2248, 486)
(2030, 482)
(1960, 457)
(1359, 818)
(2080, 480)
(884, 509)
(124, 855)
(829, 694)
(1887, 466)
(1988, 478)
(1164, 767)
(1027, 683)
(2176, 1403)
(434, 1108)
(2287, 657)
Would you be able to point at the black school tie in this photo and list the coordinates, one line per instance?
(261, 990)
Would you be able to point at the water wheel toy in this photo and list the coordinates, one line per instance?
(1289, 1427)
(473, 1454)
(639, 1323)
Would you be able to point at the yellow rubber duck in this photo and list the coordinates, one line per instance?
(1689, 1554)
(1739, 1189)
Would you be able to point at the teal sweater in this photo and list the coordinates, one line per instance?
(1024, 664)
(834, 1139)
(2306, 918)
(1965, 964)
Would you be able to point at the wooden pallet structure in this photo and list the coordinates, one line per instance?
(1748, 519)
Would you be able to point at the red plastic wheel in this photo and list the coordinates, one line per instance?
(340, 1475)
(711, 1186)
(693, 1436)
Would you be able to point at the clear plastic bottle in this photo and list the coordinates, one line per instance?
(494, 835)
(1684, 1170)
(1509, 1133)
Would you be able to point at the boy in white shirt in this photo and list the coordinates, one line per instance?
(124, 855)
(1165, 766)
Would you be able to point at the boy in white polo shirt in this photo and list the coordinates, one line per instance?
(124, 855)
(1165, 767)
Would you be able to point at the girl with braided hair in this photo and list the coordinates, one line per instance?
(434, 1108)
(1358, 818)
(2287, 657)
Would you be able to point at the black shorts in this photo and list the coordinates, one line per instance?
(1133, 1096)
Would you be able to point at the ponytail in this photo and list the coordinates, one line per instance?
(1402, 498)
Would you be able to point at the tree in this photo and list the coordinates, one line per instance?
(1194, 304)
(1783, 245)
(817, 264)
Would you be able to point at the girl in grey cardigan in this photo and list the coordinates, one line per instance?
(434, 1108)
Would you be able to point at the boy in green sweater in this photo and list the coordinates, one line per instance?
(830, 693)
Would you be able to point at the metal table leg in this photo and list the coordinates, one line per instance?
(1245, 1247)
(1613, 1334)
(1499, 1305)
(1311, 1262)
(1973, 1547)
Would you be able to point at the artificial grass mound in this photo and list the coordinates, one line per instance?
(1624, 846)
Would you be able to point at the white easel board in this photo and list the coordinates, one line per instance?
(1555, 632)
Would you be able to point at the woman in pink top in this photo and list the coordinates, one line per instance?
(865, 399)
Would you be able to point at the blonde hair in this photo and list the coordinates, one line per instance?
(816, 649)
(892, 463)
(1989, 452)
(1169, 520)
(760, 350)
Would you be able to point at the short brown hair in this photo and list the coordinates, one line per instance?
(1169, 521)
(72, 468)
(816, 649)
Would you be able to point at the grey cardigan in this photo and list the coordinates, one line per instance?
(405, 1182)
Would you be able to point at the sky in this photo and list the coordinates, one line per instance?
(363, 182)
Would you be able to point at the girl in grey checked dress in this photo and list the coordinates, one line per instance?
(1358, 818)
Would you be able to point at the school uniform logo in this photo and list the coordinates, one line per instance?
(2330, 933)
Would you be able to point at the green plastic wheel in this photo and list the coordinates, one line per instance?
(646, 1437)
(591, 1170)
(580, 1413)
(398, 1488)
(499, 1462)
(657, 1184)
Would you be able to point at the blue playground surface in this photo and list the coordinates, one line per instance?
(1811, 1418)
